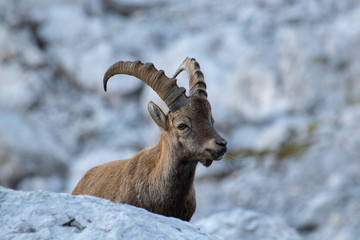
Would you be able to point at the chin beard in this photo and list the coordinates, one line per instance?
(207, 163)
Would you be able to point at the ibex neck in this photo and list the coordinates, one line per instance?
(173, 183)
(175, 170)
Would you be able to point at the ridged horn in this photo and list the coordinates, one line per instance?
(165, 87)
(197, 85)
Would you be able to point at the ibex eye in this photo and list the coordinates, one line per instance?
(182, 126)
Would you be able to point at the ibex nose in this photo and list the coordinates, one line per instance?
(221, 142)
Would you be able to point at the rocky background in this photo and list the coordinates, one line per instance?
(283, 81)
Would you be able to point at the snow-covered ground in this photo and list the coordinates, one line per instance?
(283, 80)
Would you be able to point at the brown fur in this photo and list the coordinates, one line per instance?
(161, 178)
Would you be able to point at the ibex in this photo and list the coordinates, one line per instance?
(161, 178)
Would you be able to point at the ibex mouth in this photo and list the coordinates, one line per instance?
(217, 154)
(207, 162)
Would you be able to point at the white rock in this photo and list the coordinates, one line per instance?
(76, 48)
(244, 137)
(14, 83)
(53, 183)
(316, 211)
(246, 225)
(27, 150)
(282, 131)
(318, 204)
(254, 89)
(8, 43)
(45, 215)
(78, 25)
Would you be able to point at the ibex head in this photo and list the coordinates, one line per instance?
(188, 127)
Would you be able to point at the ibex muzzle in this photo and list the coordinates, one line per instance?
(161, 178)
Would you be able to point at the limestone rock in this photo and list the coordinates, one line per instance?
(246, 225)
(27, 151)
(45, 215)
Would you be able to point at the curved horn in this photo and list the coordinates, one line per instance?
(197, 83)
(165, 87)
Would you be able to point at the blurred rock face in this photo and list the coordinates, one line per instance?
(245, 224)
(282, 80)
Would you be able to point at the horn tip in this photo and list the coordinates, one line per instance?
(105, 84)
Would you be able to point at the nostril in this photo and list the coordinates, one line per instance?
(222, 143)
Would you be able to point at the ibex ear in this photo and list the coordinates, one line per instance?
(157, 115)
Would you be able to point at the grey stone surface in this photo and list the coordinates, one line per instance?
(28, 151)
(246, 225)
(45, 215)
(315, 190)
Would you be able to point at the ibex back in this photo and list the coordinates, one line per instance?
(161, 178)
